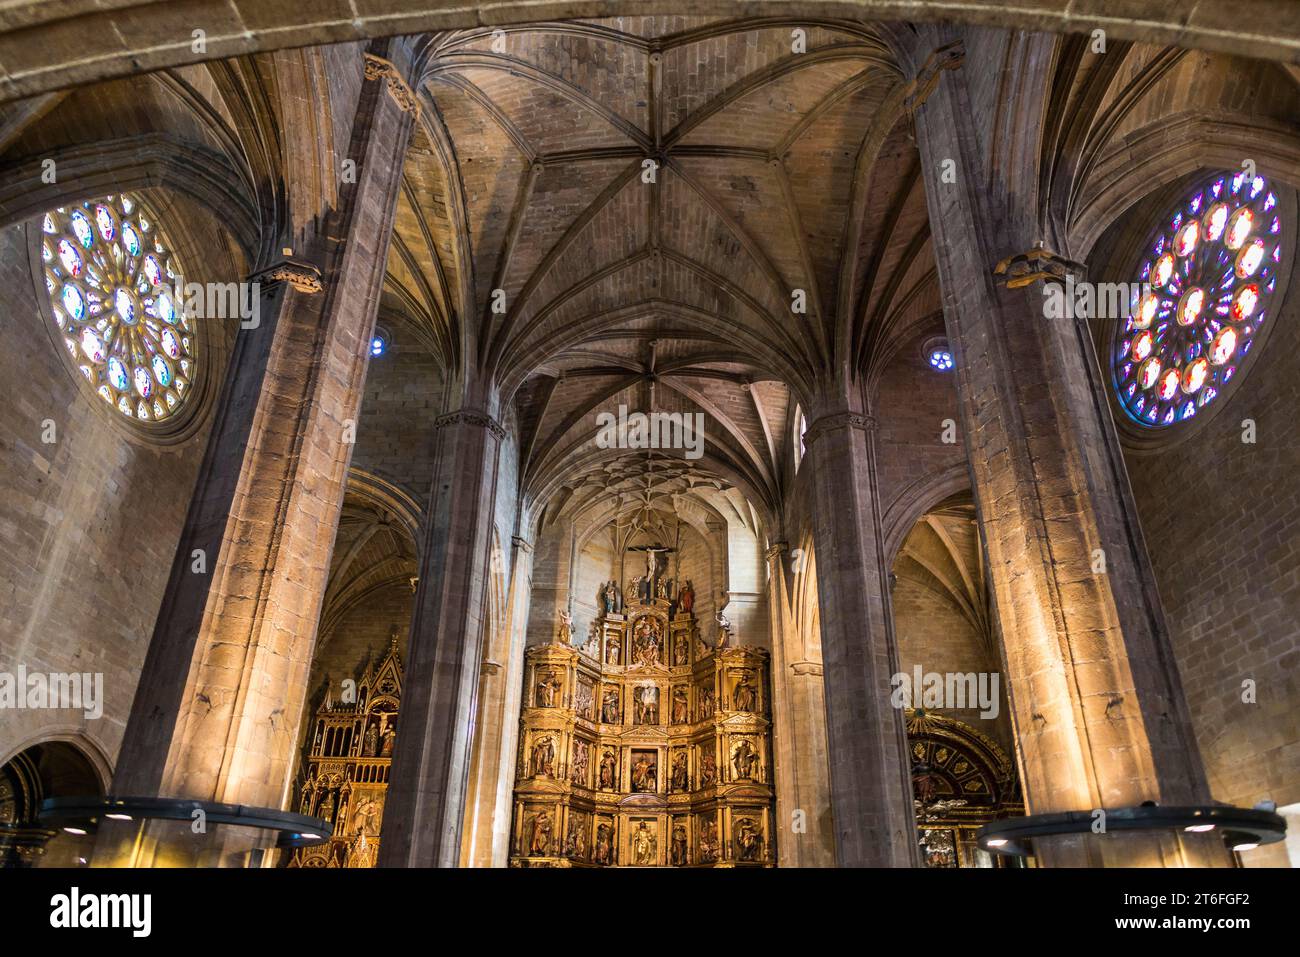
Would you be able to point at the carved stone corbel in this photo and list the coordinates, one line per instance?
(377, 68)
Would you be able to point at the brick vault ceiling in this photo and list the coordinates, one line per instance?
(775, 171)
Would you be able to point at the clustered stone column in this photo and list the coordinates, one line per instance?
(425, 809)
(223, 686)
(803, 800)
(1100, 717)
(869, 770)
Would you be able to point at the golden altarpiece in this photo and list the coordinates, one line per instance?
(345, 769)
(649, 746)
(961, 780)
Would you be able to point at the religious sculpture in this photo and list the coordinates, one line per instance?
(608, 771)
(604, 844)
(390, 738)
(708, 771)
(706, 704)
(564, 632)
(686, 597)
(546, 689)
(575, 845)
(578, 772)
(645, 641)
(583, 702)
(746, 698)
(612, 650)
(681, 778)
(749, 840)
(709, 841)
(371, 748)
(724, 629)
(681, 706)
(610, 596)
(644, 773)
(681, 651)
(679, 851)
(609, 706)
(744, 759)
(540, 842)
(543, 756)
(664, 588)
(643, 845)
(647, 705)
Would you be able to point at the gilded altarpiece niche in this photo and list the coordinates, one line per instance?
(647, 747)
(345, 770)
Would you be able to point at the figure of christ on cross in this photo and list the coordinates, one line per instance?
(656, 564)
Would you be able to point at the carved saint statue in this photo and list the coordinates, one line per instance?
(543, 756)
(540, 842)
(609, 706)
(664, 588)
(744, 759)
(645, 641)
(644, 774)
(637, 587)
(371, 748)
(746, 698)
(749, 840)
(647, 705)
(724, 630)
(709, 841)
(564, 632)
(643, 845)
(608, 770)
(575, 845)
(546, 689)
(390, 738)
(613, 648)
(679, 846)
(708, 771)
(604, 844)
(610, 596)
(681, 774)
(681, 651)
(681, 706)
(686, 597)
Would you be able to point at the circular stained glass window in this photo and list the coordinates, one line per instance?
(1205, 287)
(112, 281)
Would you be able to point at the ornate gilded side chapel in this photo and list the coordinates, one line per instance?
(627, 435)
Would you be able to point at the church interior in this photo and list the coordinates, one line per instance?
(648, 435)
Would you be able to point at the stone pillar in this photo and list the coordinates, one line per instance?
(489, 805)
(871, 797)
(425, 807)
(221, 694)
(1099, 714)
(805, 835)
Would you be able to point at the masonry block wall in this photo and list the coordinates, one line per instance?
(1222, 524)
(88, 523)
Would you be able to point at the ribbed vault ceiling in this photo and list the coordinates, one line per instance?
(774, 171)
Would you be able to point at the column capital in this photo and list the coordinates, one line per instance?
(806, 667)
(839, 420)
(522, 544)
(947, 57)
(471, 417)
(377, 68)
(303, 277)
(776, 549)
(1039, 263)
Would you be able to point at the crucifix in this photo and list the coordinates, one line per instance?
(656, 563)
